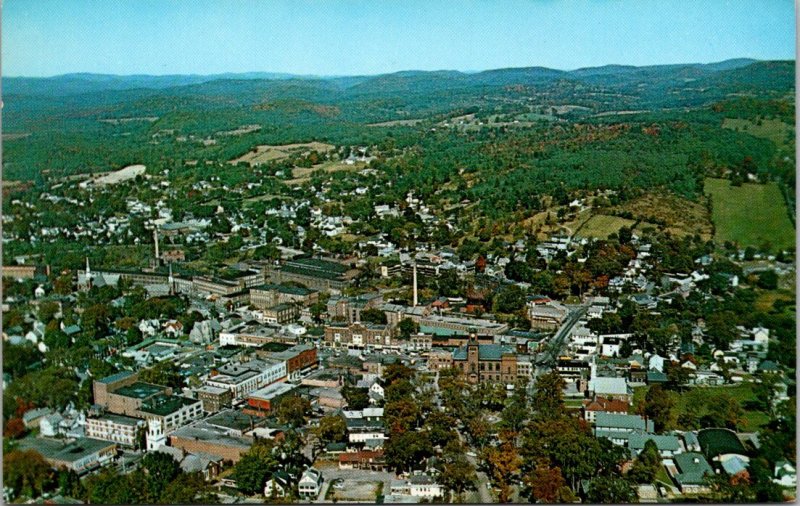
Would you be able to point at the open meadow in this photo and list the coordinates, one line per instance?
(750, 214)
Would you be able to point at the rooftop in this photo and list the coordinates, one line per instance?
(618, 421)
(116, 377)
(140, 390)
(163, 405)
(54, 449)
(485, 352)
(272, 391)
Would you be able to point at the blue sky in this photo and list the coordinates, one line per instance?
(347, 37)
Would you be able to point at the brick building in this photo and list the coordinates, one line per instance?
(486, 362)
(359, 335)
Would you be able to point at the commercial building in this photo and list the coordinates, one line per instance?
(214, 398)
(165, 413)
(300, 359)
(81, 455)
(268, 295)
(243, 377)
(123, 430)
(313, 273)
(262, 401)
(358, 335)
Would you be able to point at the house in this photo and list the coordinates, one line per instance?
(278, 485)
(656, 363)
(618, 428)
(692, 469)
(668, 446)
(591, 407)
(369, 460)
(785, 474)
(49, 425)
(33, 417)
(610, 388)
(420, 485)
(310, 483)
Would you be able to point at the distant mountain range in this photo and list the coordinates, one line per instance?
(80, 83)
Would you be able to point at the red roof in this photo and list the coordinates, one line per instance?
(606, 405)
(362, 456)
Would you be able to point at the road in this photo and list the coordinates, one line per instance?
(547, 360)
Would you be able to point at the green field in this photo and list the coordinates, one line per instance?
(742, 392)
(750, 215)
(600, 226)
(773, 129)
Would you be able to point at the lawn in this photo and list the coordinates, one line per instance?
(600, 226)
(750, 214)
(773, 129)
(742, 392)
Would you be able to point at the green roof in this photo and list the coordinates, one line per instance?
(164, 405)
(693, 467)
(292, 290)
(139, 390)
(115, 377)
(663, 443)
(620, 421)
(716, 442)
(485, 352)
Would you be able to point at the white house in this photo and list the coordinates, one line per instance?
(422, 486)
(785, 474)
(310, 483)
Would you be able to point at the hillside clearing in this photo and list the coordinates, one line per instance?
(750, 214)
(267, 153)
(774, 130)
(600, 226)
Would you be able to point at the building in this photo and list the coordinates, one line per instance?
(486, 362)
(690, 471)
(82, 455)
(165, 413)
(214, 398)
(358, 335)
(243, 377)
(591, 407)
(367, 460)
(668, 446)
(420, 485)
(444, 325)
(19, 271)
(440, 359)
(281, 313)
(269, 295)
(313, 273)
(204, 438)
(610, 388)
(123, 394)
(310, 484)
(123, 430)
(618, 428)
(364, 425)
(262, 401)
(546, 313)
(300, 359)
(249, 335)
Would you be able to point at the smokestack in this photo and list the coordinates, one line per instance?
(155, 240)
(415, 284)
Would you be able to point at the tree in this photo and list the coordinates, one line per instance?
(724, 410)
(609, 490)
(548, 398)
(396, 372)
(166, 373)
(768, 280)
(547, 485)
(331, 429)
(457, 473)
(188, 488)
(658, 407)
(293, 410)
(252, 470)
(357, 398)
(26, 473)
(160, 469)
(509, 298)
(373, 315)
(502, 463)
(407, 327)
(646, 465)
(406, 451)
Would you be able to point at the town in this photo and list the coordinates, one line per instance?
(408, 252)
(391, 373)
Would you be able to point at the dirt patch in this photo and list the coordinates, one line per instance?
(263, 154)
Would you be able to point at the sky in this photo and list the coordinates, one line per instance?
(357, 37)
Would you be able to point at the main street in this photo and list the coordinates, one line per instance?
(546, 361)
